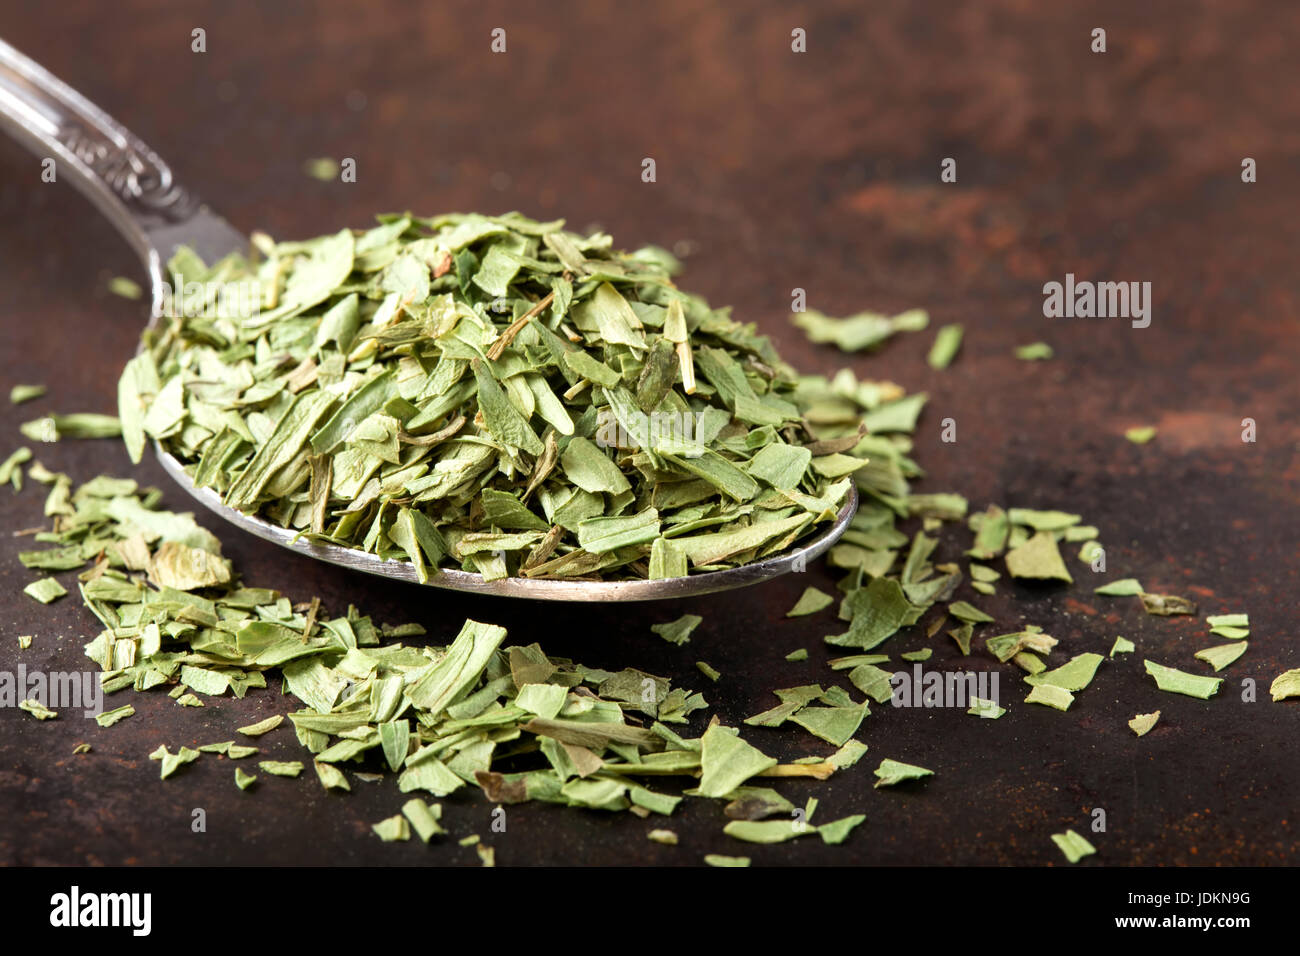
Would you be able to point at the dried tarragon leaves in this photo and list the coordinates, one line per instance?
(489, 393)
(440, 718)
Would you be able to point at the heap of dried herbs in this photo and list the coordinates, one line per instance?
(488, 393)
(175, 615)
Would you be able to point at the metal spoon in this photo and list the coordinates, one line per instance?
(134, 188)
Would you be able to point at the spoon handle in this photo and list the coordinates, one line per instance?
(126, 179)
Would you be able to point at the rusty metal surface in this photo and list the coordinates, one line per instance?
(817, 171)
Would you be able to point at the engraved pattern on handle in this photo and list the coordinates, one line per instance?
(128, 181)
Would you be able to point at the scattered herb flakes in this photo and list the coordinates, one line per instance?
(281, 768)
(236, 752)
(37, 709)
(795, 656)
(1165, 605)
(1142, 723)
(470, 840)
(1073, 846)
(45, 590)
(331, 777)
(1124, 587)
(24, 641)
(487, 855)
(679, 631)
(189, 700)
(1074, 675)
(666, 837)
(1140, 434)
(25, 393)
(1180, 682)
(1038, 559)
(171, 762)
(983, 587)
(11, 472)
(109, 717)
(1122, 645)
(717, 859)
(1286, 684)
(1034, 352)
(1050, 696)
(810, 602)
(244, 780)
(891, 772)
(1221, 656)
(921, 655)
(837, 831)
(124, 287)
(708, 671)
(982, 572)
(392, 829)
(261, 727)
(81, 749)
(947, 341)
(985, 708)
(425, 819)
(865, 330)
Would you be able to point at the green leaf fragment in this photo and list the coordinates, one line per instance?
(1038, 559)
(800, 655)
(1180, 682)
(727, 761)
(946, 343)
(1124, 587)
(665, 837)
(1034, 352)
(810, 602)
(1142, 723)
(262, 726)
(25, 393)
(679, 631)
(1286, 684)
(891, 772)
(244, 780)
(837, 831)
(1074, 675)
(37, 709)
(1221, 656)
(109, 717)
(393, 829)
(281, 768)
(45, 590)
(708, 671)
(718, 859)
(1122, 645)
(1140, 434)
(1073, 846)
(1165, 605)
(981, 707)
(1050, 695)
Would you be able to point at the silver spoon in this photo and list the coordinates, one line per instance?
(134, 188)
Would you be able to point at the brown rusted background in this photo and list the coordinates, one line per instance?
(779, 170)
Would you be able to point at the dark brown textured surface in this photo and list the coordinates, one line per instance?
(817, 171)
